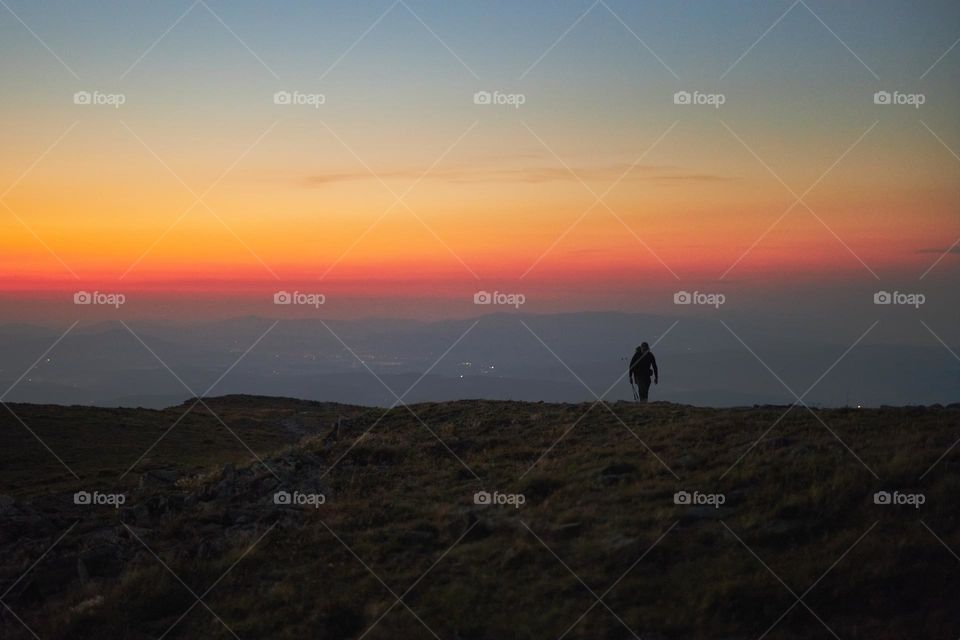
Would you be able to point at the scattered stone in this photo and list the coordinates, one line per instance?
(53, 575)
(157, 479)
(7, 506)
(616, 472)
(569, 530)
(99, 562)
(688, 461)
(86, 605)
(618, 541)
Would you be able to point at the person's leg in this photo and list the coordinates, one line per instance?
(643, 388)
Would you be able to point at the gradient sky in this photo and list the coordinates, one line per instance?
(104, 198)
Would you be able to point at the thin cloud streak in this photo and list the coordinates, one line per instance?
(530, 175)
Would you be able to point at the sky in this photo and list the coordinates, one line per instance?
(390, 190)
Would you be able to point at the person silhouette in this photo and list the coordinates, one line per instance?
(640, 371)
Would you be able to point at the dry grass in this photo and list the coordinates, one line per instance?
(399, 500)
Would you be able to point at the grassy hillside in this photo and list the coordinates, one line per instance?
(599, 548)
(102, 445)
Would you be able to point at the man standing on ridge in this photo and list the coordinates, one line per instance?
(640, 370)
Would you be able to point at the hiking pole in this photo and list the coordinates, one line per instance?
(636, 394)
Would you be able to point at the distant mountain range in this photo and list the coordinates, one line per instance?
(557, 358)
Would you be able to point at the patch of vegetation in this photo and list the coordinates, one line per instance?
(399, 548)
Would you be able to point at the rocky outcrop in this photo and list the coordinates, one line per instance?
(186, 518)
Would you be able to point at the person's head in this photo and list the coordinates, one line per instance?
(644, 347)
